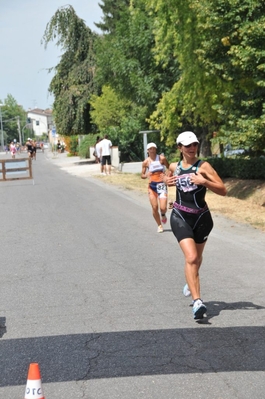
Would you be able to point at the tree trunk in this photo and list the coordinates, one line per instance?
(205, 148)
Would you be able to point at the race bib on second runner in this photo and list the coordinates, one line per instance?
(161, 188)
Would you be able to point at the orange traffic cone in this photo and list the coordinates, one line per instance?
(33, 388)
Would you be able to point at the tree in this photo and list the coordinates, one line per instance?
(127, 64)
(108, 108)
(121, 120)
(125, 59)
(13, 117)
(189, 103)
(112, 10)
(219, 45)
(241, 67)
(73, 82)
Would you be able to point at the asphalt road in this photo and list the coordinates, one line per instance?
(92, 293)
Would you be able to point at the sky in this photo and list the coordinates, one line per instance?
(23, 59)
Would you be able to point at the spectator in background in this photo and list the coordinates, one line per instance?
(105, 153)
(18, 147)
(58, 146)
(98, 154)
(95, 150)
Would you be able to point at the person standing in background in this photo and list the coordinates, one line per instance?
(18, 148)
(95, 153)
(58, 146)
(98, 155)
(105, 154)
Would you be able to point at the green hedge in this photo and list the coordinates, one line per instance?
(85, 144)
(239, 168)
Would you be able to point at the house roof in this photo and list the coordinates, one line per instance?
(39, 111)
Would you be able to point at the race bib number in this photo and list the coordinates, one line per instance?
(183, 183)
(161, 188)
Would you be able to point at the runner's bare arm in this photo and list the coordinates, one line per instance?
(208, 177)
(144, 169)
(170, 179)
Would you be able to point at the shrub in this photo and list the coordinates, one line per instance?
(85, 144)
(239, 168)
(73, 145)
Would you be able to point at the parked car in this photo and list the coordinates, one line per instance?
(229, 151)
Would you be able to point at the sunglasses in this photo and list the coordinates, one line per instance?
(192, 144)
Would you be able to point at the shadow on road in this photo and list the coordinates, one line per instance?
(2, 326)
(215, 307)
(73, 357)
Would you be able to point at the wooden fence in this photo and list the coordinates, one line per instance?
(15, 169)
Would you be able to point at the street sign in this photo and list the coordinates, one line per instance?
(53, 131)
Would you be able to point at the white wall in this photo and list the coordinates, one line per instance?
(43, 126)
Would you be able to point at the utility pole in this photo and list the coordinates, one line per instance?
(145, 133)
(19, 130)
(2, 132)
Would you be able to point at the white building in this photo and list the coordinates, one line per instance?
(40, 120)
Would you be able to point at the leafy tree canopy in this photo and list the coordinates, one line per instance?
(219, 45)
(121, 120)
(108, 109)
(125, 60)
(112, 11)
(13, 118)
(185, 64)
(73, 82)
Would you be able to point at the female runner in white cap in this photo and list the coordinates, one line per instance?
(191, 220)
(152, 168)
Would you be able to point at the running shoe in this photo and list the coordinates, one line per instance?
(199, 309)
(186, 290)
(164, 219)
(160, 229)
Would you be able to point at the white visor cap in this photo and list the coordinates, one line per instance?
(187, 138)
(151, 145)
